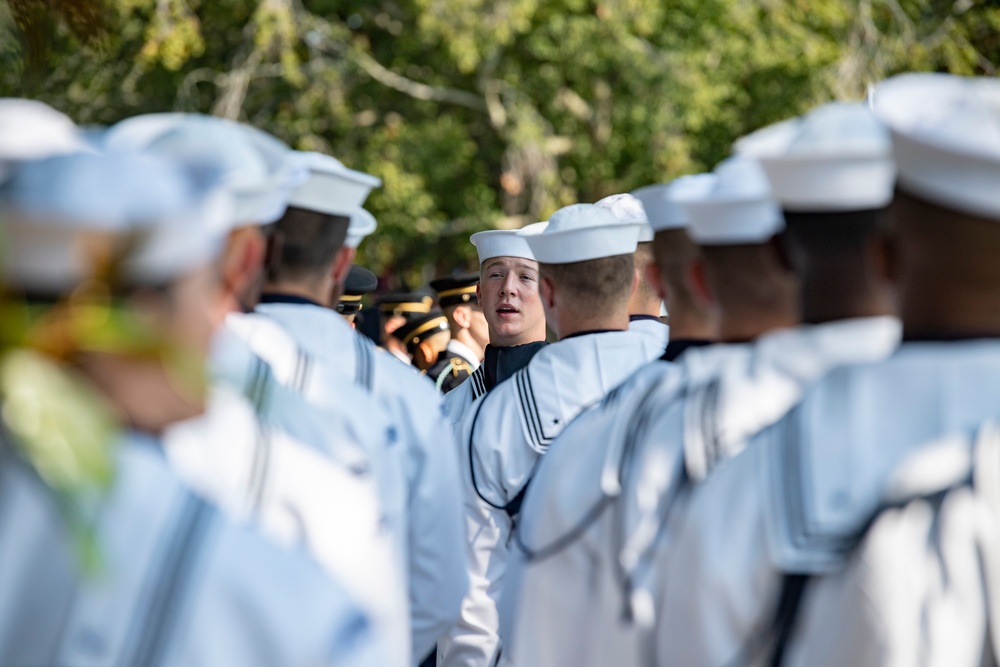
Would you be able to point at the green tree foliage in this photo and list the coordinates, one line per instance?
(483, 113)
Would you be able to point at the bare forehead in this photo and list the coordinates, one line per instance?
(510, 263)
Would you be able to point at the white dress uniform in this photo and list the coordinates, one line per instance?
(340, 363)
(179, 584)
(810, 484)
(652, 328)
(176, 583)
(667, 425)
(271, 468)
(793, 501)
(921, 587)
(506, 433)
(499, 365)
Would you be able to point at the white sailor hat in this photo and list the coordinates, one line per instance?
(259, 169)
(738, 209)
(334, 189)
(662, 200)
(946, 138)
(629, 208)
(582, 232)
(506, 242)
(837, 157)
(59, 212)
(31, 130)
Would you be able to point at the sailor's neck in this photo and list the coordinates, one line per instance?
(319, 294)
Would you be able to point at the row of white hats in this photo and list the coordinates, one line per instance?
(938, 135)
(175, 182)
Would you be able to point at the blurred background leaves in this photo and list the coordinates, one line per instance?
(483, 113)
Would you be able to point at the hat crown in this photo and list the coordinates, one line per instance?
(946, 138)
(962, 113)
(625, 207)
(662, 201)
(108, 192)
(739, 179)
(55, 209)
(31, 130)
(831, 130)
(506, 242)
(580, 216)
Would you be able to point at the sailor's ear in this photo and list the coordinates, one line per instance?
(884, 256)
(342, 264)
(462, 315)
(698, 278)
(654, 277)
(547, 290)
(479, 294)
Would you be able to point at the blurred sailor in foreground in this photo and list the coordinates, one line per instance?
(567, 575)
(31, 130)
(508, 296)
(261, 451)
(316, 241)
(792, 504)
(108, 559)
(694, 320)
(360, 281)
(469, 330)
(645, 303)
(586, 275)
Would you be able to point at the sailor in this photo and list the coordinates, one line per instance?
(360, 281)
(645, 304)
(108, 558)
(31, 130)
(396, 309)
(793, 503)
(694, 321)
(586, 274)
(567, 580)
(469, 330)
(318, 237)
(508, 295)
(308, 477)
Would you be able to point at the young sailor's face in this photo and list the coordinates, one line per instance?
(508, 294)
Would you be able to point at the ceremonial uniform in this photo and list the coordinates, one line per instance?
(791, 584)
(792, 503)
(451, 369)
(921, 586)
(499, 364)
(118, 562)
(567, 599)
(328, 363)
(177, 583)
(262, 452)
(651, 327)
(506, 432)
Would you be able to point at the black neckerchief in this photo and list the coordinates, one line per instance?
(278, 297)
(950, 338)
(638, 318)
(676, 348)
(587, 333)
(502, 362)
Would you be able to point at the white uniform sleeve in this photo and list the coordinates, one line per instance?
(438, 579)
(473, 641)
